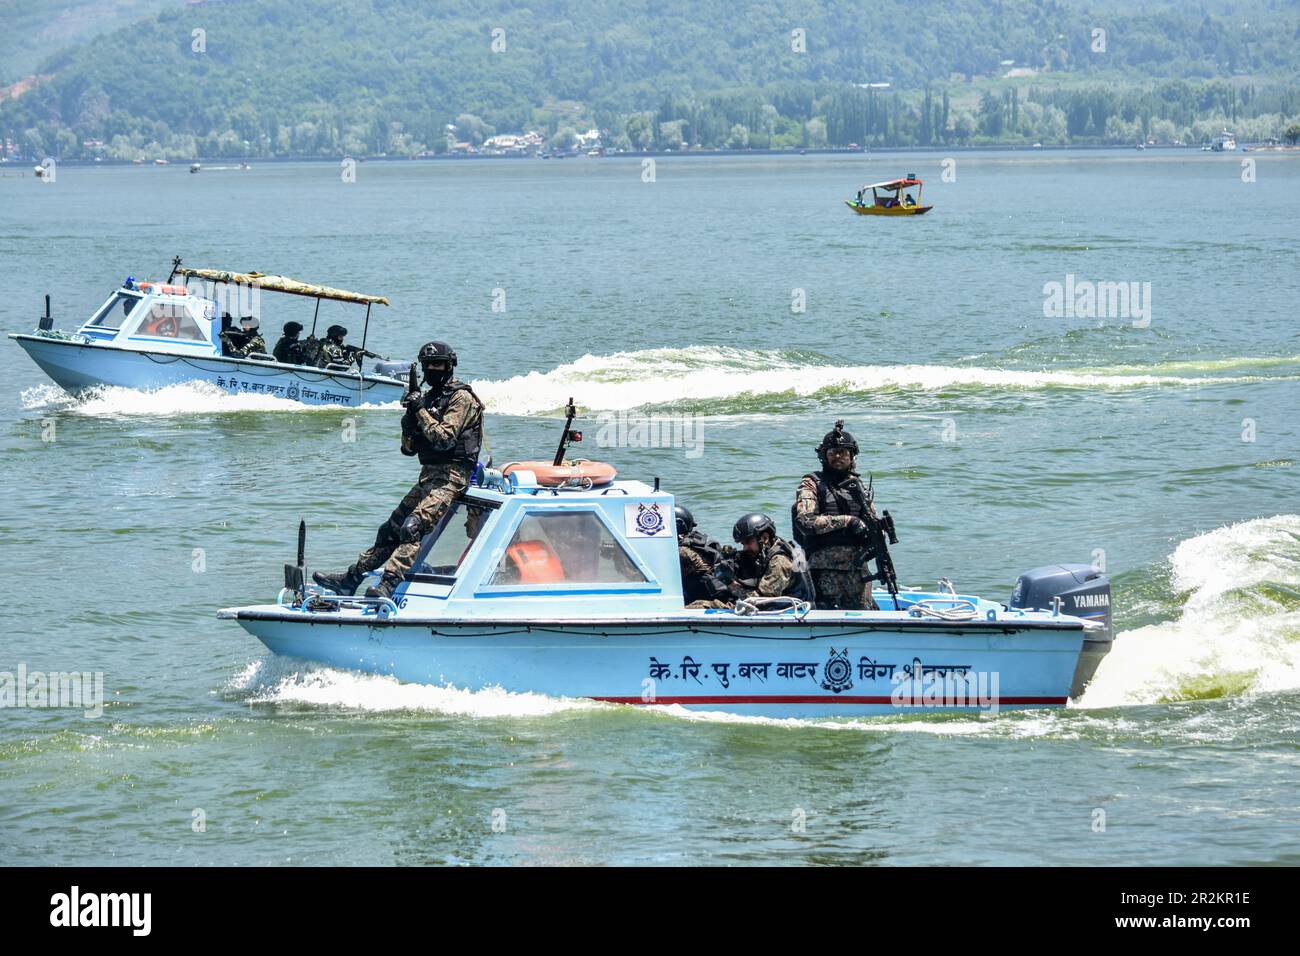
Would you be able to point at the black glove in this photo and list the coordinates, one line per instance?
(857, 528)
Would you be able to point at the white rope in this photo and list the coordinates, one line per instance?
(772, 605)
(945, 609)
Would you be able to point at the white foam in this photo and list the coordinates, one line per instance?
(187, 398)
(1223, 641)
(626, 380)
(280, 680)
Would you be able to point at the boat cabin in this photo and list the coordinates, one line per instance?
(143, 315)
(512, 546)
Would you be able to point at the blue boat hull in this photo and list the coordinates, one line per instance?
(77, 367)
(791, 670)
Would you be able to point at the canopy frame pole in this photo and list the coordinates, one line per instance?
(365, 329)
(315, 315)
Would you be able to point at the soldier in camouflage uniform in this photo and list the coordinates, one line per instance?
(245, 342)
(831, 512)
(443, 426)
(331, 351)
(698, 555)
(764, 567)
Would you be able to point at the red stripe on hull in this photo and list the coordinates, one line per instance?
(823, 699)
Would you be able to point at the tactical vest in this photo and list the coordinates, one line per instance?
(847, 497)
(289, 351)
(703, 545)
(800, 585)
(468, 443)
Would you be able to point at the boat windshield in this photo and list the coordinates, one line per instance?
(565, 548)
(115, 311)
(170, 320)
(446, 548)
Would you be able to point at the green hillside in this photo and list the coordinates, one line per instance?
(321, 77)
(29, 32)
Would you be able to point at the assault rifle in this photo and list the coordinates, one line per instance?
(355, 354)
(409, 402)
(879, 536)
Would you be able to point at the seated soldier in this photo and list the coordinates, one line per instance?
(698, 555)
(332, 351)
(289, 350)
(250, 340)
(765, 567)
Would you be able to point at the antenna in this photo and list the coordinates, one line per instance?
(570, 412)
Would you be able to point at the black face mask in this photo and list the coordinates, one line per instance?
(436, 377)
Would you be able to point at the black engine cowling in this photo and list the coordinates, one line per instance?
(1084, 592)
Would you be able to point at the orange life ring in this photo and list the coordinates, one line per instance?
(581, 472)
(164, 289)
(536, 562)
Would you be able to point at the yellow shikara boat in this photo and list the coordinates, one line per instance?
(892, 198)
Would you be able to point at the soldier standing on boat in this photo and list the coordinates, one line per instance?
(831, 512)
(443, 427)
(289, 350)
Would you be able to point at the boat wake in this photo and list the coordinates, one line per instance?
(188, 398)
(712, 374)
(286, 681)
(1236, 596)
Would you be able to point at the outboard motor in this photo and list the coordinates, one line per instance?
(393, 369)
(1084, 592)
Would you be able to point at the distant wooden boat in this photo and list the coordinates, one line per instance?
(891, 198)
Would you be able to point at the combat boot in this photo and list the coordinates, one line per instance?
(385, 588)
(343, 582)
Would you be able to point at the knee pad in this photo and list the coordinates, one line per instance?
(412, 530)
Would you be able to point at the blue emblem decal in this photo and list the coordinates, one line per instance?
(649, 520)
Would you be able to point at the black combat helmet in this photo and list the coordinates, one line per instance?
(336, 332)
(292, 329)
(431, 352)
(751, 526)
(836, 438)
(685, 521)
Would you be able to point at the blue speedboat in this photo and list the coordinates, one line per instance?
(148, 335)
(572, 587)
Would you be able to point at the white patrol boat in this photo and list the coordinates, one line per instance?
(557, 578)
(148, 335)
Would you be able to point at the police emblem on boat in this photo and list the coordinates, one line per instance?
(838, 672)
(645, 520)
(291, 392)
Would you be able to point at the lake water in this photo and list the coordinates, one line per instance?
(1001, 439)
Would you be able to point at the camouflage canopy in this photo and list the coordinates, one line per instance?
(282, 284)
